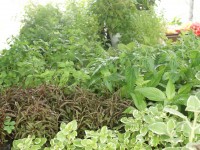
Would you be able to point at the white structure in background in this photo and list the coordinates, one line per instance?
(179, 9)
(11, 12)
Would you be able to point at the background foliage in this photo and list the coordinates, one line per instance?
(58, 70)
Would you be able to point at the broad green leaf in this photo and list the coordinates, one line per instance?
(156, 78)
(181, 99)
(186, 129)
(108, 84)
(152, 93)
(159, 128)
(139, 101)
(185, 89)
(193, 104)
(131, 75)
(170, 90)
(174, 112)
(154, 141)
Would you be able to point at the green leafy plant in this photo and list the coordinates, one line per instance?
(170, 96)
(155, 127)
(6, 127)
(9, 125)
(29, 143)
(124, 18)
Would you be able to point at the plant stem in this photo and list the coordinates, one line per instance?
(193, 127)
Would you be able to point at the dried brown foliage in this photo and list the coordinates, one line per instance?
(39, 111)
(2, 118)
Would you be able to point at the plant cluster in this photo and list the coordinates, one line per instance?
(133, 20)
(57, 70)
(39, 111)
(156, 127)
(165, 74)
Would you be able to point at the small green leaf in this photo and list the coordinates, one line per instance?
(61, 137)
(148, 119)
(77, 142)
(129, 110)
(171, 124)
(170, 90)
(152, 93)
(12, 123)
(159, 128)
(193, 104)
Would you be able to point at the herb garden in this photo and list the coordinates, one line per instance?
(100, 75)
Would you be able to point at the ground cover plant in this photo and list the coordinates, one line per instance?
(65, 85)
(157, 127)
(39, 111)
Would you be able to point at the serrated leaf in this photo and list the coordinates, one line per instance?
(131, 75)
(152, 93)
(159, 128)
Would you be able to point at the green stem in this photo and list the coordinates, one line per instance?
(193, 127)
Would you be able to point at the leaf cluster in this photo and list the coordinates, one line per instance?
(39, 111)
(157, 127)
